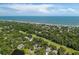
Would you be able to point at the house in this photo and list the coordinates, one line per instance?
(20, 46)
(55, 52)
(35, 46)
(30, 37)
(47, 50)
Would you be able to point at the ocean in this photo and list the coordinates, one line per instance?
(63, 20)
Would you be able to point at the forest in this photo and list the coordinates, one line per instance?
(38, 39)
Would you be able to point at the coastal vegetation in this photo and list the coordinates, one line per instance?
(38, 39)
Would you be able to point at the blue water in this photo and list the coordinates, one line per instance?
(67, 20)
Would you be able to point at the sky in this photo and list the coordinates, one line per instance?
(39, 9)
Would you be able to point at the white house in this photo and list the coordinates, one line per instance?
(20, 46)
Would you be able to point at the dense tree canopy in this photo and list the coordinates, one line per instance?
(13, 34)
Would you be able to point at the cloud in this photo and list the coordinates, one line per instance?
(68, 10)
(31, 7)
(39, 9)
(64, 10)
(44, 10)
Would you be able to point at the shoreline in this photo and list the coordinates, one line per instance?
(59, 25)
